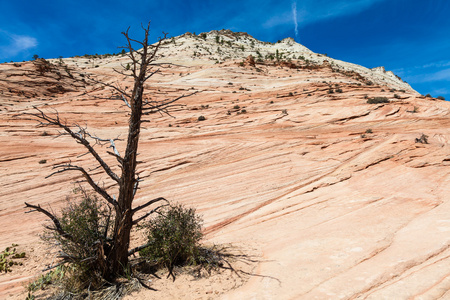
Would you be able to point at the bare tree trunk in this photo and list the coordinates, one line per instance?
(114, 252)
(129, 183)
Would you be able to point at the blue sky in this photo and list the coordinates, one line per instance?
(410, 37)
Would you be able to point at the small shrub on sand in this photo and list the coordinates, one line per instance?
(423, 139)
(9, 258)
(174, 238)
(87, 223)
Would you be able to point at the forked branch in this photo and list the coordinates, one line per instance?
(98, 189)
(135, 210)
(148, 214)
(55, 220)
(79, 136)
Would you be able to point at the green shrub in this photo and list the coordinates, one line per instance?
(201, 118)
(87, 223)
(51, 277)
(376, 100)
(8, 258)
(440, 98)
(174, 237)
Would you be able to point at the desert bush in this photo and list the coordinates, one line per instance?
(376, 100)
(51, 277)
(8, 258)
(173, 237)
(86, 223)
(440, 98)
(201, 118)
(423, 139)
(369, 131)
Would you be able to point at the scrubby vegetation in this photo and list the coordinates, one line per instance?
(87, 224)
(376, 100)
(423, 139)
(9, 258)
(55, 276)
(174, 238)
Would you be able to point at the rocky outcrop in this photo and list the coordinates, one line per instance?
(291, 165)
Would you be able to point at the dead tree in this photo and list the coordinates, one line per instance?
(115, 252)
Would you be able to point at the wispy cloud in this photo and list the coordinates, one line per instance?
(439, 64)
(442, 75)
(294, 16)
(441, 91)
(311, 11)
(15, 44)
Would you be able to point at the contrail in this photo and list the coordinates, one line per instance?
(294, 16)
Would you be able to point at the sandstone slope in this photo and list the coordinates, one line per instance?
(334, 196)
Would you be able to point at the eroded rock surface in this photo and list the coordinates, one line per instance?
(335, 194)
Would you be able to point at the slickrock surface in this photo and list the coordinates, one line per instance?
(333, 196)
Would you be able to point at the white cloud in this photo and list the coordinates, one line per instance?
(294, 16)
(439, 64)
(442, 75)
(15, 44)
(441, 91)
(310, 11)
